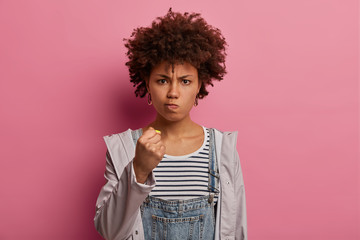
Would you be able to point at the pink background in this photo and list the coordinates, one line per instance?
(291, 92)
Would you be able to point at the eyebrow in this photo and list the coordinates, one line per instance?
(165, 76)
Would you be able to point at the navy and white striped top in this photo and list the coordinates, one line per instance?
(183, 177)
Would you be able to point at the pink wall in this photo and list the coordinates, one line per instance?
(291, 93)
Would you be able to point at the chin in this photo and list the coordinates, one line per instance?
(172, 117)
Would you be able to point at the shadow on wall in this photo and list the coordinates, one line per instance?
(135, 111)
(131, 111)
(126, 111)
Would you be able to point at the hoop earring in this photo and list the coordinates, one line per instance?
(149, 99)
(196, 101)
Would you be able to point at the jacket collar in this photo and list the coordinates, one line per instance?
(121, 147)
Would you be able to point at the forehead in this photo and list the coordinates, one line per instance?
(166, 67)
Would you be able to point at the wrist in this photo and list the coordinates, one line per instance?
(140, 176)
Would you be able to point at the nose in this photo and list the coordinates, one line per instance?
(173, 90)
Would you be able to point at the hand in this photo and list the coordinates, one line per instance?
(149, 152)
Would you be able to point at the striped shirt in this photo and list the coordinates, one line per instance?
(183, 177)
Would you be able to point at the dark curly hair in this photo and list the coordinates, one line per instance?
(176, 38)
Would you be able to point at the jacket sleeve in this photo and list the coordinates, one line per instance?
(241, 219)
(118, 202)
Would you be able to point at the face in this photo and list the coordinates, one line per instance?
(178, 86)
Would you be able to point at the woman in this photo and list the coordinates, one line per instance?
(174, 178)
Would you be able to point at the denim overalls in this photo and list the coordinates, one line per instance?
(182, 219)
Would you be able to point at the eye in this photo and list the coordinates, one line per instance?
(187, 82)
(161, 81)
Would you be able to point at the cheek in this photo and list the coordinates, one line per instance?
(158, 100)
(191, 98)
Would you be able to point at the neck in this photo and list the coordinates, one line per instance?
(174, 129)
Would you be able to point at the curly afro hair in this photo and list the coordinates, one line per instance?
(176, 38)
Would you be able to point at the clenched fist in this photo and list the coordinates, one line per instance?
(149, 152)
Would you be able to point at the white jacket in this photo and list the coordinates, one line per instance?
(117, 207)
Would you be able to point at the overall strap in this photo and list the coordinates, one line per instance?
(213, 184)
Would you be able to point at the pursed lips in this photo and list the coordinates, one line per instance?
(171, 106)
